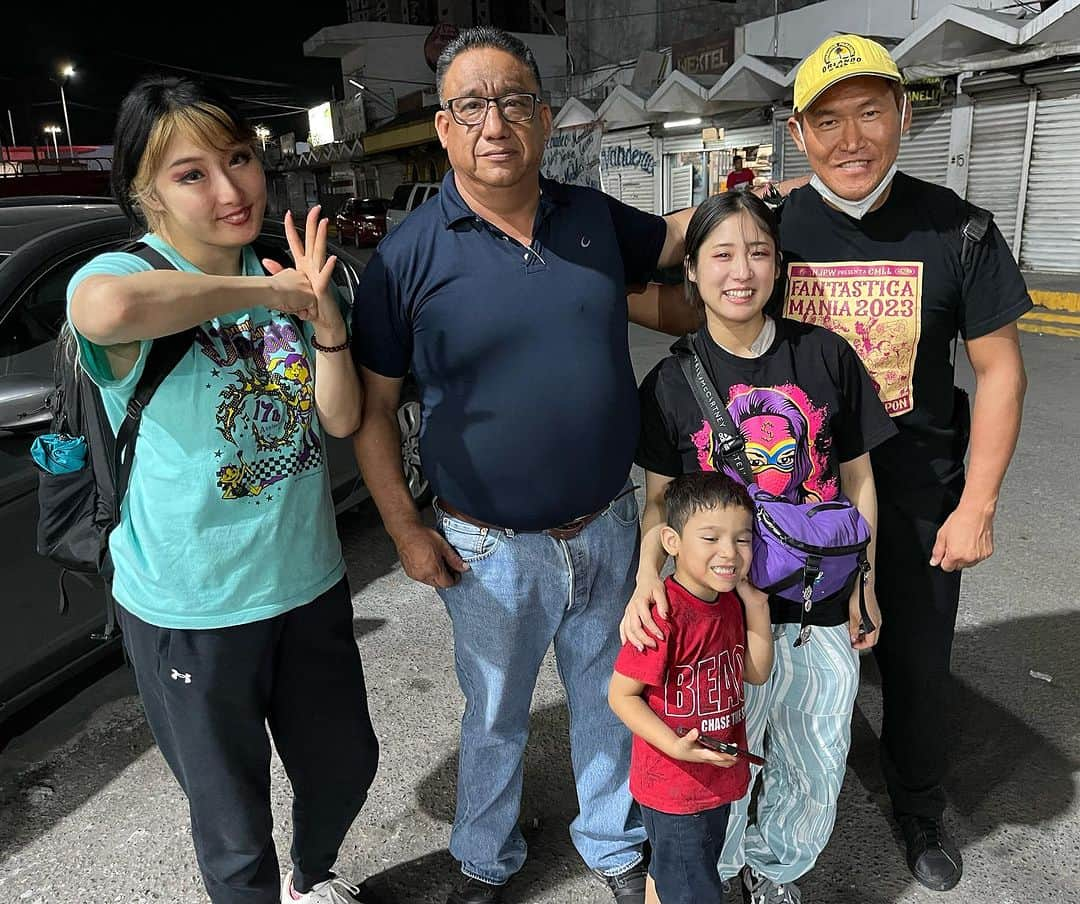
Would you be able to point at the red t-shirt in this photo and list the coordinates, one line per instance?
(694, 678)
(738, 177)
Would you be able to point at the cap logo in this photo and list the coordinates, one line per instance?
(839, 55)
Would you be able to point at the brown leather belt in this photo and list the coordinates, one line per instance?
(563, 532)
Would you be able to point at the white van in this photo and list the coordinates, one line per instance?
(407, 197)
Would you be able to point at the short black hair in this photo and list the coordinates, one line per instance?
(738, 158)
(700, 491)
(484, 36)
(153, 98)
(710, 214)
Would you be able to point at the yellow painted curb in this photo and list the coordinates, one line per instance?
(1056, 301)
(1063, 325)
(1064, 317)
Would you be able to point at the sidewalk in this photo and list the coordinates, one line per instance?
(1057, 300)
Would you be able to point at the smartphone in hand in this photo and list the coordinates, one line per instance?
(723, 747)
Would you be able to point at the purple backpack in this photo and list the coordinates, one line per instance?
(803, 552)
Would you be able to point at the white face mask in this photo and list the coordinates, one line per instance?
(860, 208)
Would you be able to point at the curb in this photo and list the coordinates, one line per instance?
(1056, 301)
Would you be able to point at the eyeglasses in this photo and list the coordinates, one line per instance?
(471, 111)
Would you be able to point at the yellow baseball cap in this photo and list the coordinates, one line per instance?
(838, 58)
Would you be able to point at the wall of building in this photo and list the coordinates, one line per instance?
(601, 32)
(803, 29)
(388, 59)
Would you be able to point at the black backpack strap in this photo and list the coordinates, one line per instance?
(732, 444)
(974, 231)
(165, 353)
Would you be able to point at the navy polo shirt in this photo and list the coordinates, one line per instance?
(521, 354)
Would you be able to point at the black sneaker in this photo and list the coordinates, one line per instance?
(932, 856)
(473, 891)
(629, 887)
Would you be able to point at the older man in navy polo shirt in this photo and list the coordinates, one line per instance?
(506, 297)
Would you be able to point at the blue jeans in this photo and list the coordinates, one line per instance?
(523, 591)
(685, 849)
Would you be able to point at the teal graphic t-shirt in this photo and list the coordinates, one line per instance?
(228, 517)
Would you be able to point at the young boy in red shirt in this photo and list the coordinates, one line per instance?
(688, 692)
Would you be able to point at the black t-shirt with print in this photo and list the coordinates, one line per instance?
(803, 407)
(893, 285)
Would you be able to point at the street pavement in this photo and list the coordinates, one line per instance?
(89, 812)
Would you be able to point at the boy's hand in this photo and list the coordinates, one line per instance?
(751, 596)
(688, 750)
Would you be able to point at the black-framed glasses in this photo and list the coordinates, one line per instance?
(471, 111)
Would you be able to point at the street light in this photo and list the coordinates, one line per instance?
(67, 71)
(52, 130)
(373, 96)
(262, 133)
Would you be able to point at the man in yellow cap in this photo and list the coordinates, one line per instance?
(900, 268)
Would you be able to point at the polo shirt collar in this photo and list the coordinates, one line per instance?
(455, 210)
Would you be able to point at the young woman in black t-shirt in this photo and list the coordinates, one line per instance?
(809, 414)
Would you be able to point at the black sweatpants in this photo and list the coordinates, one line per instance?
(918, 603)
(209, 696)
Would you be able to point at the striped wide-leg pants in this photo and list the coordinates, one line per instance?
(804, 711)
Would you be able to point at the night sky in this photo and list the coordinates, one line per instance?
(112, 43)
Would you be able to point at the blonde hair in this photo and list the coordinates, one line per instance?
(202, 123)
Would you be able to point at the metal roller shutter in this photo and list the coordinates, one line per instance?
(996, 159)
(629, 184)
(793, 162)
(1051, 239)
(924, 151)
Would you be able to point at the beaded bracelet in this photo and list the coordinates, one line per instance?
(325, 349)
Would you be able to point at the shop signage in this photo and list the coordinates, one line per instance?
(625, 156)
(573, 155)
(704, 56)
(924, 94)
(441, 35)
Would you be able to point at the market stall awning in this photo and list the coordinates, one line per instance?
(1061, 22)
(958, 31)
(622, 107)
(754, 79)
(574, 112)
(678, 93)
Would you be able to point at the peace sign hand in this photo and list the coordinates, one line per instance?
(310, 260)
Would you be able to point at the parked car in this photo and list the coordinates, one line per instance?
(43, 241)
(407, 197)
(362, 221)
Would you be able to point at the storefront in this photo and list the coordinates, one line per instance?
(1051, 235)
(696, 166)
(995, 165)
(628, 167)
(1025, 139)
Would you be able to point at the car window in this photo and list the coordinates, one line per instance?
(401, 197)
(347, 207)
(371, 207)
(28, 331)
(432, 191)
(417, 198)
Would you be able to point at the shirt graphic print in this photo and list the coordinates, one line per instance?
(877, 307)
(787, 442)
(265, 404)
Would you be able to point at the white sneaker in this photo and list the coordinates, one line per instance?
(332, 891)
(760, 890)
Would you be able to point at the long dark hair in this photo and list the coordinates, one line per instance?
(153, 110)
(712, 212)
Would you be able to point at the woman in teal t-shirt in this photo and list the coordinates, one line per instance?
(229, 576)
